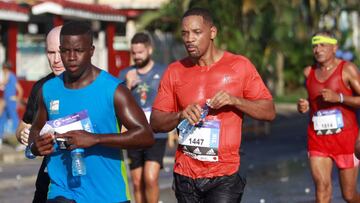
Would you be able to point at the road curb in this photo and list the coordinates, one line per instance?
(282, 108)
(10, 155)
(17, 182)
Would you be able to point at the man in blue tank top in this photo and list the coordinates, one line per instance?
(143, 80)
(109, 104)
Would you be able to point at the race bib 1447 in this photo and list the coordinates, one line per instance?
(203, 143)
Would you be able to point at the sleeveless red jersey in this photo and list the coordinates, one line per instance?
(339, 143)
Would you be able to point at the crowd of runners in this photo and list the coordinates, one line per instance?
(138, 109)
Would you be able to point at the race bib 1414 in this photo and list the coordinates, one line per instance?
(327, 122)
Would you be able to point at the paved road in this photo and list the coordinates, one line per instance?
(276, 167)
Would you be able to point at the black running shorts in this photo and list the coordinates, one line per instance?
(223, 189)
(156, 153)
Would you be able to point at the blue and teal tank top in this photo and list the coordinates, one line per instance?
(106, 179)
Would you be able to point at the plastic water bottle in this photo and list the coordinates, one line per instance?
(185, 128)
(78, 164)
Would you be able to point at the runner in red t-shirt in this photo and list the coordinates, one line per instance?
(333, 87)
(207, 160)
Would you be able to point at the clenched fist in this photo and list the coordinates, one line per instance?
(303, 105)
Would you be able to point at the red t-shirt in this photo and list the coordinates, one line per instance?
(184, 83)
(339, 143)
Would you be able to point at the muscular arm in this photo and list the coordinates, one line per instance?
(164, 121)
(139, 133)
(259, 109)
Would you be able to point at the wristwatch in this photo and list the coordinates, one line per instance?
(28, 153)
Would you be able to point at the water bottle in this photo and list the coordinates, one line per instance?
(78, 164)
(185, 128)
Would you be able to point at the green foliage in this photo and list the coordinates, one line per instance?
(291, 96)
(166, 18)
(259, 29)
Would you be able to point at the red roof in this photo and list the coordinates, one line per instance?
(94, 8)
(10, 6)
(132, 13)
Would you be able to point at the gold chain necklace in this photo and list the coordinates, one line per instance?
(330, 67)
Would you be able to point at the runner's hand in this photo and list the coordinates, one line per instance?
(43, 145)
(192, 113)
(221, 99)
(78, 139)
(330, 96)
(24, 134)
(132, 79)
(303, 105)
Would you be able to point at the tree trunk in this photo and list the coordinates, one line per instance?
(279, 86)
(355, 27)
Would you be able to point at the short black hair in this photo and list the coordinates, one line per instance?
(204, 13)
(141, 38)
(77, 28)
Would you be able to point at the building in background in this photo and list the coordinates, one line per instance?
(24, 25)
